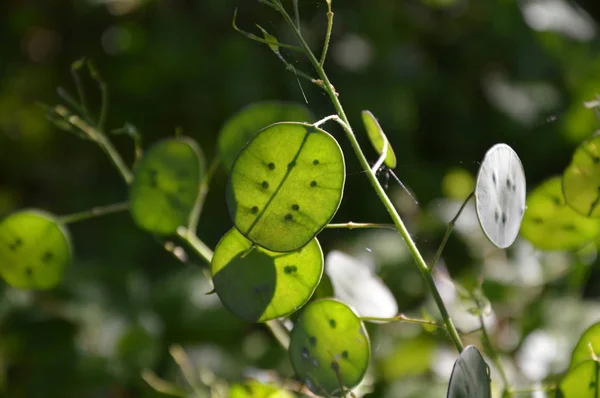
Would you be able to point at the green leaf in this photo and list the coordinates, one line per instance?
(286, 185)
(550, 224)
(35, 250)
(378, 138)
(329, 347)
(500, 195)
(581, 382)
(166, 185)
(255, 389)
(470, 376)
(258, 285)
(588, 342)
(242, 126)
(581, 180)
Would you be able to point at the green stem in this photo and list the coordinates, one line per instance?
(94, 212)
(201, 198)
(402, 318)
(100, 138)
(487, 343)
(327, 35)
(280, 334)
(343, 121)
(449, 229)
(80, 90)
(353, 225)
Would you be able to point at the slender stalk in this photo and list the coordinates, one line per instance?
(343, 121)
(449, 229)
(100, 138)
(79, 84)
(187, 369)
(201, 198)
(487, 343)
(94, 212)
(382, 157)
(353, 225)
(103, 93)
(196, 244)
(297, 14)
(402, 318)
(327, 35)
(279, 333)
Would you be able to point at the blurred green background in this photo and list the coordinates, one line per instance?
(446, 78)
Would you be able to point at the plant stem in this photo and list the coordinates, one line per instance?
(100, 138)
(343, 121)
(94, 212)
(201, 198)
(279, 332)
(353, 225)
(449, 231)
(327, 35)
(402, 318)
(487, 343)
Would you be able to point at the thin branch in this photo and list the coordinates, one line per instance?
(103, 93)
(403, 318)
(327, 35)
(201, 198)
(75, 66)
(382, 157)
(449, 229)
(252, 36)
(94, 212)
(353, 225)
(280, 334)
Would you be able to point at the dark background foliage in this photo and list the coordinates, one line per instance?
(446, 78)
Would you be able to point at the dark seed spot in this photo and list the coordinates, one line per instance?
(537, 220)
(332, 323)
(290, 269)
(569, 227)
(316, 162)
(494, 178)
(345, 354)
(596, 159)
(271, 166)
(28, 271)
(254, 209)
(556, 200)
(291, 164)
(496, 216)
(305, 352)
(313, 183)
(47, 257)
(508, 183)
(288, 217)
(295, 207)
(312, 340)
(265, 185)
(504, 218)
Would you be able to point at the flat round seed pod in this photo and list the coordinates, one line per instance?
(242, 126)
(470, 376)
(378, 138)
(355, 284)
(550, 224)
(35, 250)
(166, 184)
(500, 195)
(286, 185)
(583, 381)
(329, 347)
(581, 352)
(259, 285)
(581, 180)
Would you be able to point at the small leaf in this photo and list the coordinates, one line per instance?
(255, 389)
(588, 342)
(470, 376)
(258, 285)
(550, 224)
(242, 126)
(583, 381)
(329, 347)
(581, 180)
(272, 40)
(286, 185)
(35, 250)
(166, 185)
(500, 195)
(378, 138)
